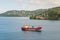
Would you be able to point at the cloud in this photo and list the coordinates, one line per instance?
(45, 2)
(41, 2)
(18, 1)
(36, 4)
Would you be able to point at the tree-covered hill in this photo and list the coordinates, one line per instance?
(22, 13)
(45, 14)
(51, 14)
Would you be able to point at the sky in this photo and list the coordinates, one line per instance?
(6, 5)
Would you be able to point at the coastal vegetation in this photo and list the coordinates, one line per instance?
(41, 14)
(49, 14)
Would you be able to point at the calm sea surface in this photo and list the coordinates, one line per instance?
(10, 29)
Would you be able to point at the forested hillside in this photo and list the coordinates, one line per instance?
(44, 14)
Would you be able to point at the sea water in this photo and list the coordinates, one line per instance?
(10, 29)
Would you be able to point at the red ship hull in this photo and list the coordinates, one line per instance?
(32, 29)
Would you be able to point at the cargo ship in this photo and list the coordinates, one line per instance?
(26, 28)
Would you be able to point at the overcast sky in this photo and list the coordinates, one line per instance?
(6, 5)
